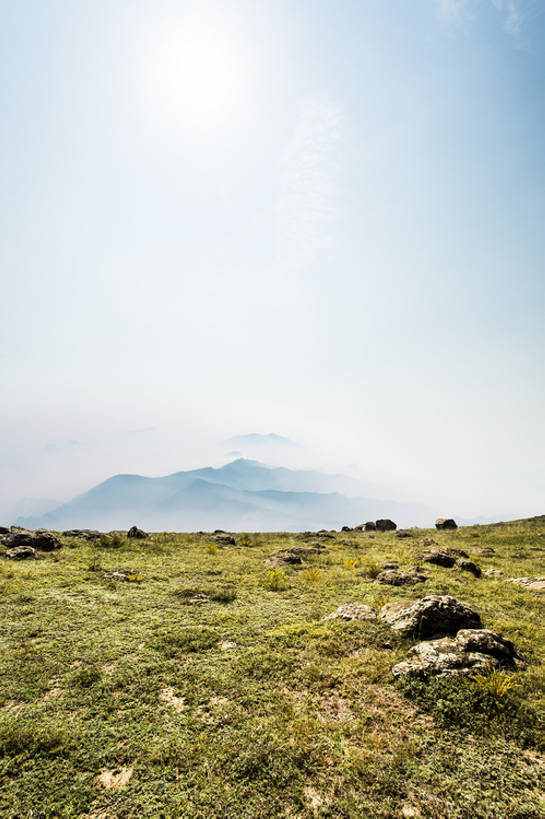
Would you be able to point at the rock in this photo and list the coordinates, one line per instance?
(135, 532)
(350, 543)
(445, 523)
(427, 542)
(487, 551)
(291, 557)
(395, 577)
(21, 553)
(391, 565)
(403, 533)
(41, 540)
(472, 650)
(432, 616)
(347, 529)
(353, 611)
(493, 572)
(385, 525)
(439, 557)
(532, 583)
(370, 526)
(4, 530)
(225, 540)
(86, 534)
(469, 566)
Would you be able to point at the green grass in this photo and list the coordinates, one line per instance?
(217, 692)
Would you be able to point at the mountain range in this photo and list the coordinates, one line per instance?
(242, 495)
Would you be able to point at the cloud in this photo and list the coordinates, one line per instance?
(513, 13)
(61, 446)
(305, 206)
(143, 431)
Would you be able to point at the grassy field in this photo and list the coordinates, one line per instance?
(138, 699)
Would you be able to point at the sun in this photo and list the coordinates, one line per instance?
(198, 75)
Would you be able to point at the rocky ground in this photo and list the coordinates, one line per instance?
(368, 672)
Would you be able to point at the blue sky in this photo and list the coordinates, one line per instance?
(320, 219)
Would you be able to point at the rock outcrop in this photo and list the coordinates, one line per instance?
(138, 534)
(432, 616)
(446, 523)
(472, 650)
(40, 540)
(532, 583)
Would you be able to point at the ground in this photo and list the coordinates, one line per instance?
(139, 698)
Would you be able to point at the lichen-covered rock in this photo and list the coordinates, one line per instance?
(493, 573)
(428, 542)
(353, 611)
(370, 526)
(21, 553)
(472, 650)
(385, 525)
(432, 616)
(85, 534)
(532, 583)
(446, 523)
(398, 577)
(469, 566)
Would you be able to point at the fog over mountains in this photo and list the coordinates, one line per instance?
(243, 495)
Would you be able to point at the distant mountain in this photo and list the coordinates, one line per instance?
(241, 496)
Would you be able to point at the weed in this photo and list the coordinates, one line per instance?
(212, 548)
(495, 683)
(245, 540)
(370, 568)
(351, 563)
(311, 574)
(276, 580)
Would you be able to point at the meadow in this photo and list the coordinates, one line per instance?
(179, 676)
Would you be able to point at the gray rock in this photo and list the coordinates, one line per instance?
(445, 523)
(493, 573)
(439, 557)
(370, 526)
(85, 534)
(471, 651)
(396, 577)
(41, 540)
(532, 583)
(353, 611)
(135, 532)
(469, 566)
(4, 530)
(224, 540)
(290, 557)
(403, 533)
(21, 553)
(385, 525)
(428, 542)
(347, 529)
(432, 616)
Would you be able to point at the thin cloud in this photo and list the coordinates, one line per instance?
(305, 208)
(62, 446)
(143, 431)
(514, 14)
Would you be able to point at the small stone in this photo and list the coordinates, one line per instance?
(469, 566)
(395, 577)
(353, 611)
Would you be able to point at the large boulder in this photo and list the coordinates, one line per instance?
(471, 651)
(446, 523)
(136, 533)
(398, 577)
(41, 540)
(353, 611)
(385, 525)
(4, 530)
(432, 616)
(369, 526)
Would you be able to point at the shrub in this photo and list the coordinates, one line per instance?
(245, 540)
(351, 563)
(311, 574)
(211, 548)
(494, 683)
(276, 580)
(370, 568)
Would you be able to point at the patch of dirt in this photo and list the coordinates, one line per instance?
(227, 645)
(168, 696)
(204, 712)
(115, 779)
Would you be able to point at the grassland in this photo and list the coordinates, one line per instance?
(138, 699)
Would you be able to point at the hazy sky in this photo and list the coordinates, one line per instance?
(322, 219)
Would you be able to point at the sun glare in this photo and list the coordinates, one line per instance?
(199, 76)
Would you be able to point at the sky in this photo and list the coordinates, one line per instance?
(314, 218)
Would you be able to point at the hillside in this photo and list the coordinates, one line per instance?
(206, 681)
(242, 495)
